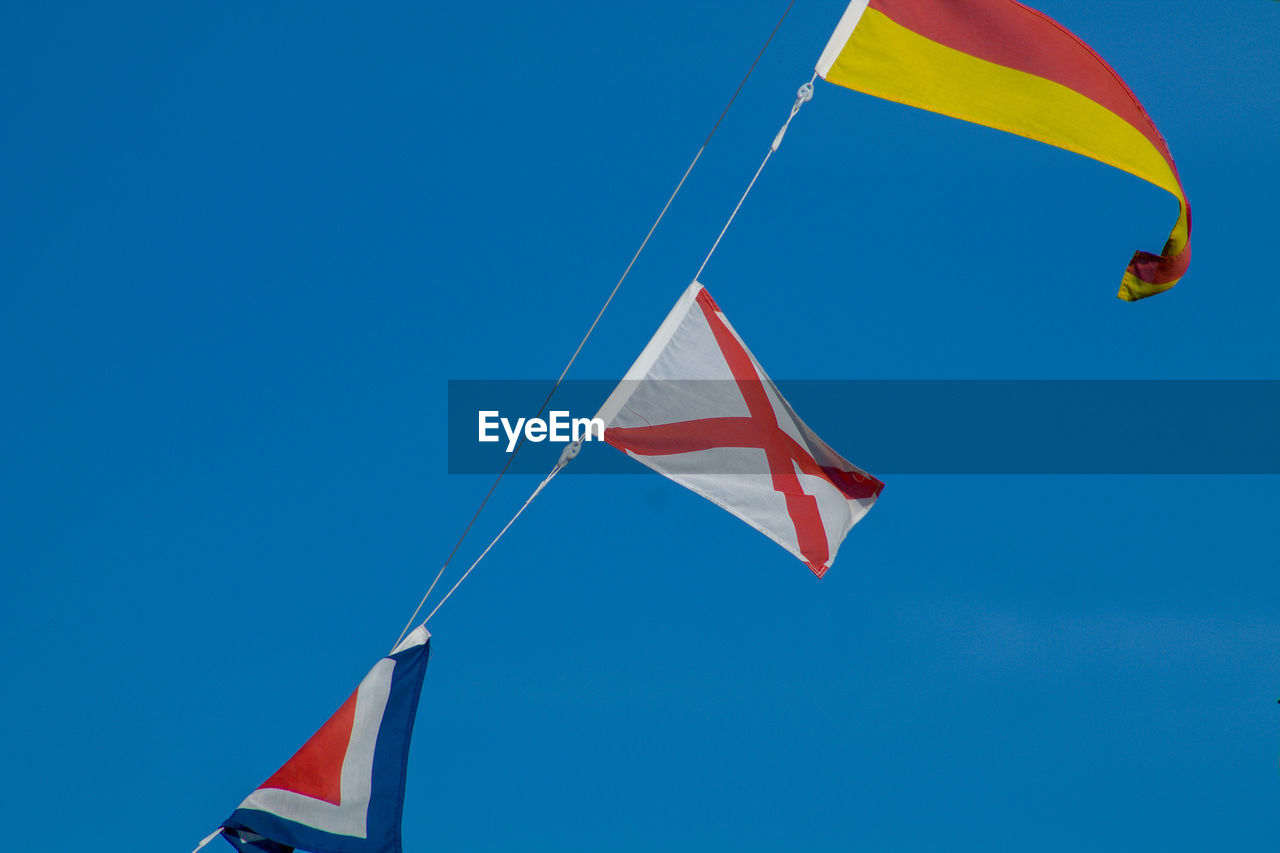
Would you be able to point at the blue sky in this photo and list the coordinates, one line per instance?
(247, 245)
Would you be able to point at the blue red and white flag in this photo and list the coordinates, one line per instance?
(698, 408)
(343, 792)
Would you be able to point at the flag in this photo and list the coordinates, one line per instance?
(343, 792)
(697, 408)
(1001, 64)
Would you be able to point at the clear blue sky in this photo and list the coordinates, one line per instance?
(246, 245)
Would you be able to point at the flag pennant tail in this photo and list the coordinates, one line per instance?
(697, 408)
(1001, 64)
(343, 791)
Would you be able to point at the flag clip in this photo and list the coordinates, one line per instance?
(803, 95)
(570, 451)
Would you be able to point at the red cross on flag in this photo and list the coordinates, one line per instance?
(697, 408)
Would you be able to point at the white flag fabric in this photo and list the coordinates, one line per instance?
(696, 407)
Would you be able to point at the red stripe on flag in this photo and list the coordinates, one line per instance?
(710, 433)
(1010, 34)
(1161, 269)
(811, 534)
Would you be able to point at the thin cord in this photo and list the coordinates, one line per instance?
(801, 99)
(654, 227)
(458, 544)
(541, 486)
(767, 42)
(595, 322)
(738, 207)
(210, 837)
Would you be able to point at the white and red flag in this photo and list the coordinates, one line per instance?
(697, 408)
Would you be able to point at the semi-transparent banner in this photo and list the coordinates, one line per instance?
(915, 427)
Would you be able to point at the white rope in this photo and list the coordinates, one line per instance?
(541, 486)
(698, 275)
(211, 836)
(803, 96)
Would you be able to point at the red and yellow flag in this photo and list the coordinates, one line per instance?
(1001, 64)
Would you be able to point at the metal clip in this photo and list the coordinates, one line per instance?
(803, 95)
(570, 451)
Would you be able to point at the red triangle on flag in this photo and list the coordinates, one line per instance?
(316, 770)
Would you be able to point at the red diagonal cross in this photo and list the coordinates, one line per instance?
(760, 430)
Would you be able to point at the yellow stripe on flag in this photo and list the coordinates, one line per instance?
(889, 61)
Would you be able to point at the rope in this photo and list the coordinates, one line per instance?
(804, 95)
(210, 837)
(556, 470)
(596, 321)
(716, 244)
(458, 544)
